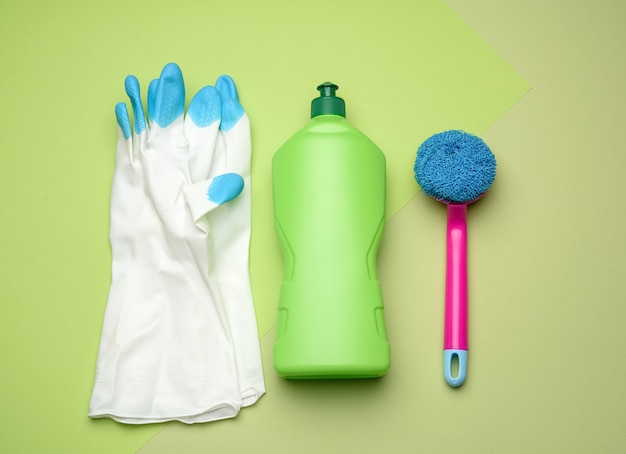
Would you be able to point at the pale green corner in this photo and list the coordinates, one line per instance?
(406, 71)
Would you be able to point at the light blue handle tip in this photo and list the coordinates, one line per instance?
(450, 357)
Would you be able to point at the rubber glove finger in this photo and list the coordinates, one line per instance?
(124, 148)
(170, 96)
(201, 130)
(226, 86)
(152, 88)
(123, 120)
(207, 195)
(233, 149)
(205, 107)
(232, 110)
(134, 93)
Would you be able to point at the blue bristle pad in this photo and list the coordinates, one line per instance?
(454, 167)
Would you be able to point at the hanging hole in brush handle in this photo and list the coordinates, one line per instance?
(455, 329)
(455, 367)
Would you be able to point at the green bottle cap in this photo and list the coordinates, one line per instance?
(328, 103)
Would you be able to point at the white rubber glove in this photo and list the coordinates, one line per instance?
(174, 346)
(230, 228)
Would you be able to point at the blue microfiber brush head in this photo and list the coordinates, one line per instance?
(454, 167)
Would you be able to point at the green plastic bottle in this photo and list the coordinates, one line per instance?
(329, 211)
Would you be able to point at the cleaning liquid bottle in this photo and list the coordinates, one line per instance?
(329, 211)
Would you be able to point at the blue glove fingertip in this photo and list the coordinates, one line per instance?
(170, 96)
(205, 107)
(225, 187)
(226, 86)
(232, 112)
(123, 120)
(134, 93)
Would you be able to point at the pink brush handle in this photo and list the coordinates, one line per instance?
(455, 330)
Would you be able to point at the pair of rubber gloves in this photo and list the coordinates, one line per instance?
(179, 340)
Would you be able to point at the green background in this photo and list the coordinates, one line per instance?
(547, 251)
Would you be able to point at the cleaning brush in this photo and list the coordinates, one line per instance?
(455, 168)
